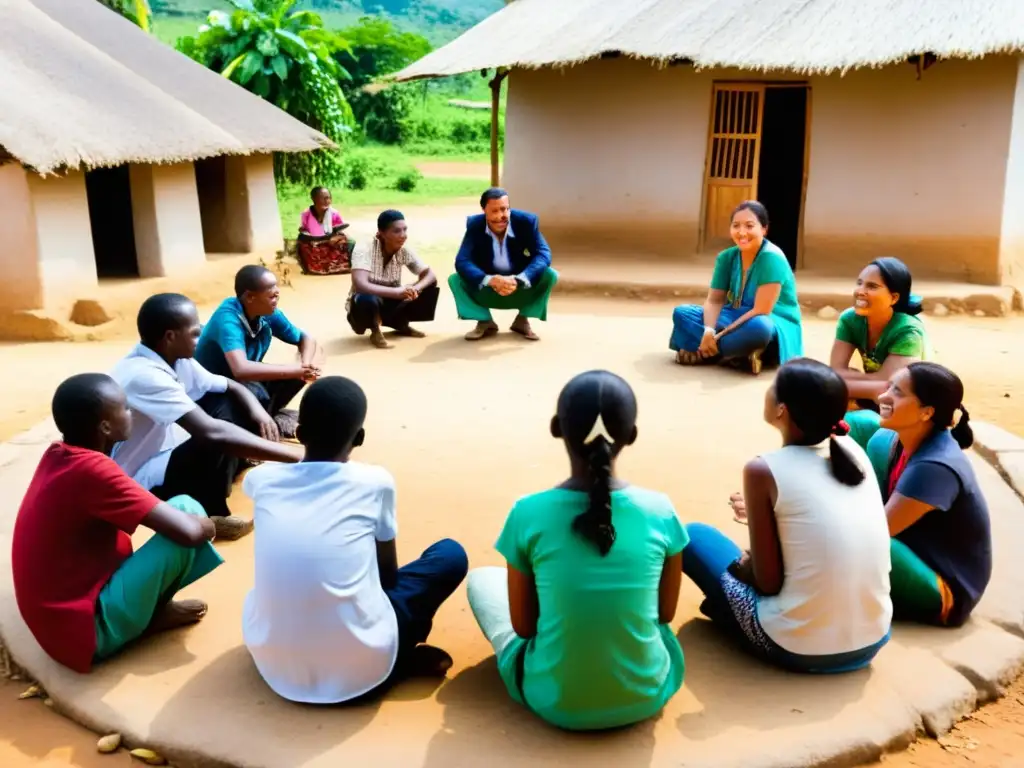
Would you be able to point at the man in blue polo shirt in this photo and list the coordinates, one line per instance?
(236, 339)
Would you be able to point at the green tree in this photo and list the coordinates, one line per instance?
(136, 11)
(377, 49)
(288, 58)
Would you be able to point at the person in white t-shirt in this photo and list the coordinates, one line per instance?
(331, 617)
(812, 593)
(175, 447)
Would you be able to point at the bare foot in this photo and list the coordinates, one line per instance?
(412, 333)
(378, 340)
(177, 613)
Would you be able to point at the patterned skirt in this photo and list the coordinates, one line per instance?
(324, 258)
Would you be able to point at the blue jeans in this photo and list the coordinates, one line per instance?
(422, 586)
(688, 330)
(706, 562)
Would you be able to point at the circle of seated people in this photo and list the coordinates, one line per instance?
(869, 510)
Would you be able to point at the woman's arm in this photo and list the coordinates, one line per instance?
(760, 493)
(842, 354)
(868, 386)
(713, 307)
(764, 302)
(903, 512)
(523, 603)
(668, 588)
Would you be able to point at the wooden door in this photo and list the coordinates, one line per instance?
(734, 152)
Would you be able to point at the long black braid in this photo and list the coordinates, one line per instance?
(601, 402)
(596, 523)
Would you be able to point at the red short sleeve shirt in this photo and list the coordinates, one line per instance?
(72, 533)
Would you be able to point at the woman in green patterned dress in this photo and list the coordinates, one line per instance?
(883, 327)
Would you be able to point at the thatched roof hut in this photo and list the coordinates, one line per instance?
(805, 36)
(83, 87)
(636, 126)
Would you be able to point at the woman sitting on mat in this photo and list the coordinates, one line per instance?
(751, 312)
(323, 247)
(882, 326)
(942, 542)
(579, 621)
(812, 594)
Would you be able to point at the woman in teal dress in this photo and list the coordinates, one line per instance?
(580, 620)
(751, 312)
(883, 328)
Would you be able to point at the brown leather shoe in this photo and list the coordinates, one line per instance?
(231, 528)
(482, 329)
(410, 332)
(522, 327)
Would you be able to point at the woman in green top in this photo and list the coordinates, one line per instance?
(751, 311)
(882, 326)
(579, 620)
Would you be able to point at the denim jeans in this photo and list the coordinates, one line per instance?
(422, 586)
(688, 329)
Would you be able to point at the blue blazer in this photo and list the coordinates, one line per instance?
(528, 251)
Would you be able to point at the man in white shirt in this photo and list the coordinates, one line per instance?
(331, 617)
(175, 447)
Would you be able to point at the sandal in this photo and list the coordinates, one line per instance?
(684, 357)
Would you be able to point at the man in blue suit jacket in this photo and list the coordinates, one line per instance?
(503, 263)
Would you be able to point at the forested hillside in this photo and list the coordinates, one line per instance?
(437, 20)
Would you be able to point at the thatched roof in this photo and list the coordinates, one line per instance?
(806, 36)
(81, 86)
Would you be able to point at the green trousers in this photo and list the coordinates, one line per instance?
(918, 593)
(146, 581)
(863, 425)
(473, 303)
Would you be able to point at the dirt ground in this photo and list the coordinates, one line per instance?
(978, 348)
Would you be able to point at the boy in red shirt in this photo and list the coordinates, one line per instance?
(82, 591)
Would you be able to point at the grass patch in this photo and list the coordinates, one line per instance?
(293, 199)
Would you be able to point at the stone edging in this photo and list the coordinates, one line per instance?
(1004, 451)
(977, 666)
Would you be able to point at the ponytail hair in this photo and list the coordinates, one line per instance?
(938, 388)
(596, 418)
(816, 398)
(961, 431)
(896, 276)
(844, 467)
(595, 525)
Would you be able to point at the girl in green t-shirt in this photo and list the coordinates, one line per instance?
(883, 327)
(579, 620)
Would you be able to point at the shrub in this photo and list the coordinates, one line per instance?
(408, 181)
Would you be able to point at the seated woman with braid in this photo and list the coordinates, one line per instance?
(938, 518)
(883, 328)
(812, 593)
(579, 620)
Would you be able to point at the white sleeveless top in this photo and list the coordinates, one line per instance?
(835, 555)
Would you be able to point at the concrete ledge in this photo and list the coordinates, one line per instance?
(1003, 450)
(662, 280)
(195, 697)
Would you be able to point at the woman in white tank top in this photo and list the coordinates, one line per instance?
(812, 593)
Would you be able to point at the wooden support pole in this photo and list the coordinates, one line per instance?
(495, 84)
